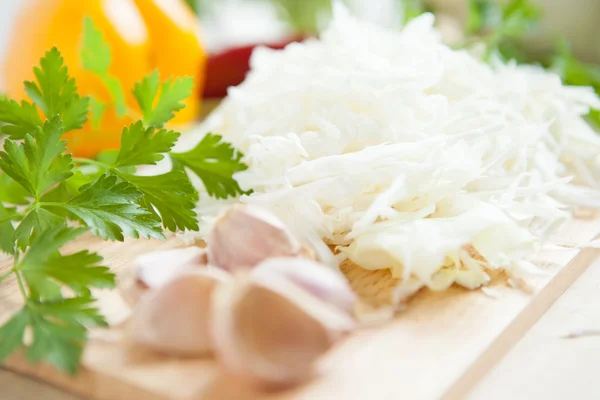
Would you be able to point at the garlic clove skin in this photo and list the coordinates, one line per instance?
(311, 296)
(323, 282)
(271, 332)
(155, 269)
(174, 319)
(246, 235)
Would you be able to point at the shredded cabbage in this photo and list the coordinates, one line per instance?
(407, 154)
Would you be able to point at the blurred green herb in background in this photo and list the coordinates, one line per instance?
(501, 25)
(576, 73)
(194, 4)
(305, 17)
(411, 9)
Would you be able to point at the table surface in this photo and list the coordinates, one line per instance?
(543, 365)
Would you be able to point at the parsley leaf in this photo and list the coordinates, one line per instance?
(214, 162)
(171, 195)
(59, 326)
(56, 93)
(12, 334)
(11, 192)
(78, 271)
(97, 109)
(109, 207)
(145, 92)
(96, 58)
(172, 94)
(40, 162)
(140, 145)
(6, 231)
(47, 244)
(59, 330)
(70, 188)
(95, 52)
(18, 119)
(35, 222)
(14, 163)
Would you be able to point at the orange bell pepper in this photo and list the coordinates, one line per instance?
(143, 35)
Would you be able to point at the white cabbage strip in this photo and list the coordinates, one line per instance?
(410, 155)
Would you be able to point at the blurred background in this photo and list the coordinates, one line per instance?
(234, 22)
(228, 22)
(212, 40)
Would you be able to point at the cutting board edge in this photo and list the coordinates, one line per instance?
(522, 323)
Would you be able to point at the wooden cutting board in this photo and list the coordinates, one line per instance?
(440, 347)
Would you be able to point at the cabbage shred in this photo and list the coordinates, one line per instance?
(409, 155)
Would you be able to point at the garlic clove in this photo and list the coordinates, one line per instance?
(154, 269)
(323, 282)
(271, 332)
(246, 235)
(157, 268)
(174, 319)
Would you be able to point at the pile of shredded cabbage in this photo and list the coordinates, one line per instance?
(407, 154)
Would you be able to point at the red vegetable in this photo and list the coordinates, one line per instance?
(229, 67)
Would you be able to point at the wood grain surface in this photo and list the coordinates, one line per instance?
(559, 358)
(440, 347)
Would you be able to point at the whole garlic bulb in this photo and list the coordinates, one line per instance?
(246, 235)
(174, 318)
(270, 329)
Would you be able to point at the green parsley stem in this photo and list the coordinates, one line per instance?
(51, 204)
(21, 284)
(18, 275)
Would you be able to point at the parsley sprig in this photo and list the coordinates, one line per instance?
(501, 25)
(48, 198)
(577, 73)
